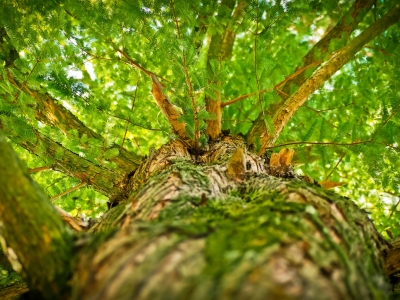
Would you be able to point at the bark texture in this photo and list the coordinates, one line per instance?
(35, 239)
(199, 231)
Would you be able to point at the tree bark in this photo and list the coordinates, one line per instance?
(35, 238)
(193, 231)
(217, 226)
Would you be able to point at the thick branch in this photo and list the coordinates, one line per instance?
(220, 49)
(32, 227)
(320, 51)
(314, 58)
(167, 108)
(337, 60)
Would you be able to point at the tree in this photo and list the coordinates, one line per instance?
(90, 89)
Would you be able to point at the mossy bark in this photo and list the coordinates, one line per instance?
(192, 228)
(192, 231)
(33, 235)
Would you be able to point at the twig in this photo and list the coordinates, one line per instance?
(271, 89)
(35, 170)
(391, 116)
(130, 122)
(395, 207)
(320, 143)
(330, 173)
(327, 109)
(68, 191)
(137, 144)
(127, 123)
(297, 72)
(75, 224)
(223, 104)
(24, 83)
(383, 51)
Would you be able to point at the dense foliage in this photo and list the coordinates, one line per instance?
(94, 57)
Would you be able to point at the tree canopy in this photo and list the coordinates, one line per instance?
(87, 86)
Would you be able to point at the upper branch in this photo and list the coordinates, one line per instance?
(313, 59)
(320, 51)
(220, 49)
(167, 108)
(285, 111)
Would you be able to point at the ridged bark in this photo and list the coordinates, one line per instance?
(193, 231)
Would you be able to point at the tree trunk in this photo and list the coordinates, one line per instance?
(224, 228)
(199, 231)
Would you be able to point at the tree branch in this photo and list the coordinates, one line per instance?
(188, 83)
(313, 59)
(220, 49)
(167, 108)
(35, 170)
(128, 121)
(319, 143)
(42, 244)
(77, 187)
(333, 169)
(285, 111)
(64, 160)
(320, 51)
